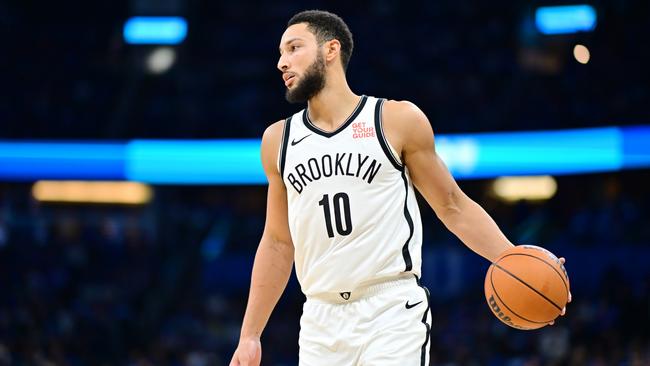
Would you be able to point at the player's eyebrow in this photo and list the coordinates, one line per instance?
(289, 41)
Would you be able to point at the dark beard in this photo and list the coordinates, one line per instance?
(312, 83)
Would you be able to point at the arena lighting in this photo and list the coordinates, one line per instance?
(155, 30)
(581, 54)
(195, 162)
(35, 160)
(129, 193)
(534, 153)
(565, 19)
(161, 60)
(232, 162)
(513, 189)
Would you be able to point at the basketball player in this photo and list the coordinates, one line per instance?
(341, 206)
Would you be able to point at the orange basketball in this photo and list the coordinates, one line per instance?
(526, 287)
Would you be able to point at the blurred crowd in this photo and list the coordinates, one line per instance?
(470, 65)
(166, 284)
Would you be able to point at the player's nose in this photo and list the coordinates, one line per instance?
(283, 64)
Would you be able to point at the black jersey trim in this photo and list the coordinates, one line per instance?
(427, 338)
(407, 215)
(379, 128)
(310, 125)
(283, 146)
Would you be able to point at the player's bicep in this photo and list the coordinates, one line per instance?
(276, 227)
(428, 172)
(277, 224)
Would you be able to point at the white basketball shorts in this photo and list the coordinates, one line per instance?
(384, 324)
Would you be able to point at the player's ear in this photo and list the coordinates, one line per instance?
(332, 49)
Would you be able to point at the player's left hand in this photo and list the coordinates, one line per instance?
(562, 260)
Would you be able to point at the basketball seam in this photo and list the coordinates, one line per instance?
(566, 287)
(506, 305)
(527, 285)
(564, 275)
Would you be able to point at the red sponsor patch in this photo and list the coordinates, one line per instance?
(360, 130)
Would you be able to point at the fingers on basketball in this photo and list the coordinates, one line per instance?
(527, 287)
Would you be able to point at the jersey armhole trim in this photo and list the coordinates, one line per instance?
(283, 146)
(385, 145)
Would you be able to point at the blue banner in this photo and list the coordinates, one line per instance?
(468, 156)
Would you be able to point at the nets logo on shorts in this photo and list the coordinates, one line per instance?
(359, 130)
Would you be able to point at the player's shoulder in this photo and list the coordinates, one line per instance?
(274, 131)
(272, 137)
(273, 134)
(271, 142)
(403, 114)
(403, 109)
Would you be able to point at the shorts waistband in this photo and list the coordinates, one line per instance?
(364, 291)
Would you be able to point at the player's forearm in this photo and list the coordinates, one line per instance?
(271, 271)
(474, 227)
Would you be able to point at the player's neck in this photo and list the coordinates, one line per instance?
(332, 105)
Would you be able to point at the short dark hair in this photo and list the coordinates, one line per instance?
(327, 26)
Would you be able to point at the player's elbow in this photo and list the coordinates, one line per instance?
(277, 243)
(450, 210)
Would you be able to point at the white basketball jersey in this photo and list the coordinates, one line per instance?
(353, 216)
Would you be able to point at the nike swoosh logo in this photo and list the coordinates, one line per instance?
(408, 306)
(294, 142)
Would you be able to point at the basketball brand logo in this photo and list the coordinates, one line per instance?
(345, 295)
(497, 310)
(359, 130)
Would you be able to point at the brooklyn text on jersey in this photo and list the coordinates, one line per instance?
(339, 164)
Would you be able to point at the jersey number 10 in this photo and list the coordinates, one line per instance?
(341, 202)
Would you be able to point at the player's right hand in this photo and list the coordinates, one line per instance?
(248, 353)
(562, 260)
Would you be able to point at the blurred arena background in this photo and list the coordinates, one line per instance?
(156, 272)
